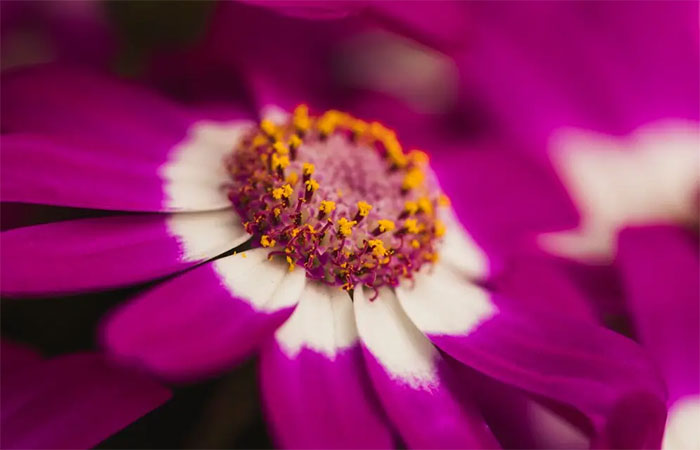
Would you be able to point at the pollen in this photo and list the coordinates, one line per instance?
(337, 196)
(282, 192)
(265, 241)
(363, 208)
(386, 225)
(327, 206)
(345, 226)
(311, 185)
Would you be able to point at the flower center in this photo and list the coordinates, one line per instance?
(339, 197)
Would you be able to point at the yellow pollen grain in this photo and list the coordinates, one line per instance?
(290, 261)
(410, 207)
(311, 185)
(268, 127)
(411, 225)
(377, 247)
(363, 208)
(277, 212)
(279, 161)
(327, 206)
(425, 205)
(415, 243)
(440, 228)
(259, 140)
(266, 241)
(418, 157)
(243, 255)
(294, 141)
(282, 192)
(300, 118)
(444, 200)
(413, 179)
(308, 169)
(280, 148)
(292, 178)
(386, 225)
(345, 226)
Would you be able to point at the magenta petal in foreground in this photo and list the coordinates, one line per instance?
(204, 320)
(315, 388)
(409, 376)
(73, 401)
(660, 266)
(80, 255)
(606, 376)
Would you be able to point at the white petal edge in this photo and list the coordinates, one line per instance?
(323, 321)
(389, 335)
(443, 302)
(194, 175)
(203, 235)
(459, 249)
(266, 285)
(682, 428)
(650, 175)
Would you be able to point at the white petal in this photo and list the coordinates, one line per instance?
(203, 235)
(323, 321)
(267, 285)
(459, 249)
(651, 175)
(390, 336)
(195, 174)
(683, 426)
(442, 302)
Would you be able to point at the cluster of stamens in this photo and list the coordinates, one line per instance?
(337, 196)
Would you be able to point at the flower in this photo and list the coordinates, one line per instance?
(69, 401)
(207, 192)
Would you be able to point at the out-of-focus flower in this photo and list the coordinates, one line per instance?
(43, 31)
(659, 267)
(69, 401)
(240, 204)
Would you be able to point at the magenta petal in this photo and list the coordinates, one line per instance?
(314, 363)
(14, 357)
(94, 142)
(314, 401)
(99, 253)
(204, 320)
(604, 375)
(73, 401)
(410, 378)
(660, 266)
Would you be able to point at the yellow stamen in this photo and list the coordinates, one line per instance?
(411, 225)
(413, 179)
(294, 141)
(266, 241)
(440, 228)
(279, 161)
(280, 148)
(308, 169)
(377, 247)
(345, 226)
(268, 127)
(327, 206)
(300, 118)
(415, 243)
(290, 261)
(292, 178)
(282, 192)
(410, 207)
(425, 205)
(277, 212)
(418, 157)
(259, 140)
(386, 225)
(311, 185)
(363, 208)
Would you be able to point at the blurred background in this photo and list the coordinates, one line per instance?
(594, 103)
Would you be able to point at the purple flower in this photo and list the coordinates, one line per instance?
(226, 207)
